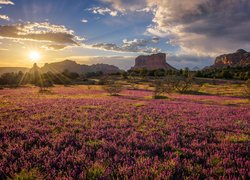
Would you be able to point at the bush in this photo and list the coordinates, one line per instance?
(247, 88)
(113, 88)
(132, 82)
(182, 84)
(44, 91)
(160, 88)
(102, 81)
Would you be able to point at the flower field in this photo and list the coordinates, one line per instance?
(80, 133)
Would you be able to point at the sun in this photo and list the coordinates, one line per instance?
(34, 56)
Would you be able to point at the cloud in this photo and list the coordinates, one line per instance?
(55, 47)
(128, 5)
(135, 45)
(84, 20)
(4, 17)
(6, 2)
(103, 11)
(155, 39)
(203, 27)
(44, 32)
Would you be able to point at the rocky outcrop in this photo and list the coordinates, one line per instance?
(239, 58)
(72, 66)
(152, 62)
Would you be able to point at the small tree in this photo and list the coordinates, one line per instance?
(113, 88)
(132, 82)
(182, 84)
(160, 88)
(247, 89)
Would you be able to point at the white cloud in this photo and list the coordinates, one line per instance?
(84, 20)
(4, 17)
(135, 45)
(103, 11)
(6, 2)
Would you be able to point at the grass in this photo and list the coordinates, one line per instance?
(160, 97)
(27, 175)
(96, 171)
(223, 90)
(139, 104)
(237, 138)
(45, 91)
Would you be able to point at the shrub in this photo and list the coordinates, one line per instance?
(247, 88)
(182, 84)
(113, 88)
(102, 81)
(132, 82)
(44, 91)
(160, 89)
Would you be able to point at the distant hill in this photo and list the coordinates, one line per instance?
(152, 62)
(69, 65)
(240, 58)
(72, 66)
(196, 68)
(12, 69)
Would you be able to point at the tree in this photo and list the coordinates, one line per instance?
(159, 89)
(159, 73)
(226, 74)
(113, 88)
(143, 73)
(182, 84)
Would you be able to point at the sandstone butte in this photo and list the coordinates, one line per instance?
(152, 62)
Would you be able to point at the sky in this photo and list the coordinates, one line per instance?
(192, 33)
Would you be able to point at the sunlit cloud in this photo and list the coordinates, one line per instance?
(6, 2)
(44, 32)
(4, 17)
(203, 27)
(54, 47)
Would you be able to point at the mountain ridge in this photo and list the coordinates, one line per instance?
(70, 65)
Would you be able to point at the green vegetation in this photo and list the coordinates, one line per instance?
(240, 73)
(113, 88)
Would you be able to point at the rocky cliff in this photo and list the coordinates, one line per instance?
(239, 58)
(72, 66)
(151, 62)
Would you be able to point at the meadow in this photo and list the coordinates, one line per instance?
(81, 132)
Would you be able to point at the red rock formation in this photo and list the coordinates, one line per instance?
(72, 66)
(239, 58)
(151, 62)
